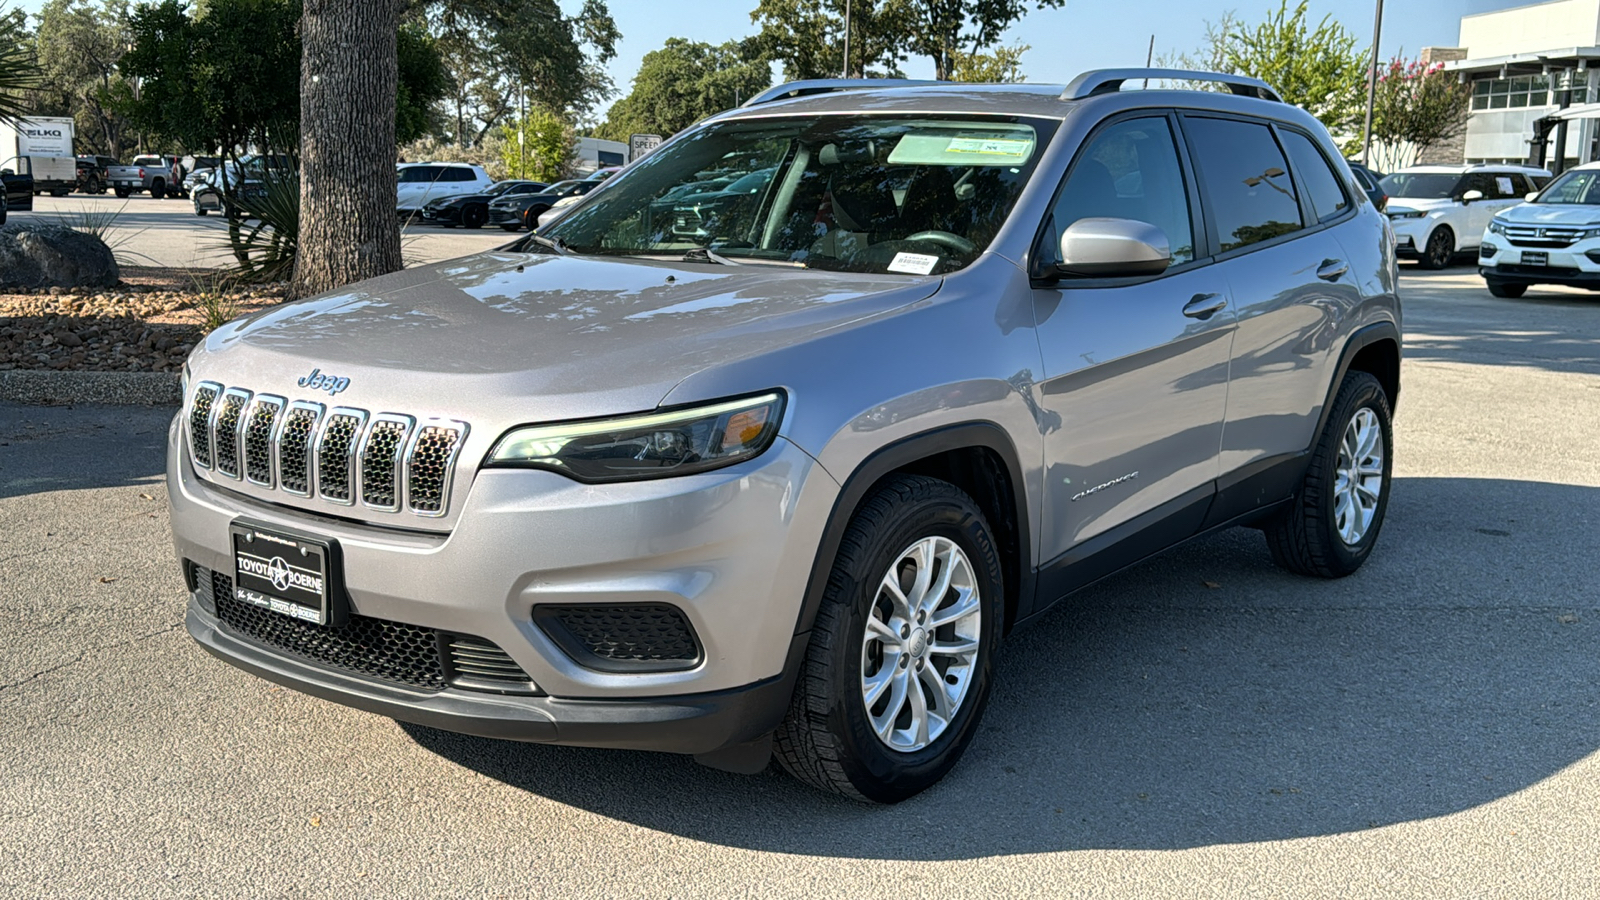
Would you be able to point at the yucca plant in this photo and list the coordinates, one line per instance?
(19, 68)
(101, 224)
(264, 233)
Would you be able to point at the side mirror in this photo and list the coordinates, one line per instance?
(1470, 196)
(1105, 247)
(7, 172)
(1531, 196)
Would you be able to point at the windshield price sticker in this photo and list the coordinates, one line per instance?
(913, 263)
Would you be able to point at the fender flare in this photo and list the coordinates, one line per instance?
(1361, 339)
(887, 459)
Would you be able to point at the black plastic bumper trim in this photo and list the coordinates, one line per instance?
(690, 723)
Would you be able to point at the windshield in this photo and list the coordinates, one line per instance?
(1421, 185)
(849, 193)
(1575, 188)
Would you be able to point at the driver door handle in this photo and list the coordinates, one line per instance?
(1332, 269)
(1204, 306)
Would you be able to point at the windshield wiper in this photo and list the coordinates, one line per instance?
(554, 244)
(706, 254)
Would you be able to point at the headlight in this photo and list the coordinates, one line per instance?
(1497, 227)
(1591, 232)
(651, 445)
(1397, 213)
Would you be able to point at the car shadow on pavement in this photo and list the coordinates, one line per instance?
(1205, 697)
(64, 448)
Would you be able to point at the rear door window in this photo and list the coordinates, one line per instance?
(1328, 198)
(1244, 180)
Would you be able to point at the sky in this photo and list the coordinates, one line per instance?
(1084, 34)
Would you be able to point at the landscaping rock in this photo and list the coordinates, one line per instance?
(34, 255)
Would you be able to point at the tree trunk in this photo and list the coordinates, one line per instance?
(348, 78)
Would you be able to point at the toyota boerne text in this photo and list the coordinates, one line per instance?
(765, 447)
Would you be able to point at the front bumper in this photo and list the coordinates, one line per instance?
(730, 549)
(694, 723)
(441, 215)
(1500, 260)
(505, 216)
(1411, 235)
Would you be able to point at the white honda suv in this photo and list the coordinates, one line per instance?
(1440, 211)
(422, 182)
(1552, 239)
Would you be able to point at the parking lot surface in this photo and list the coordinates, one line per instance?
(1202, 725)
(147, 232)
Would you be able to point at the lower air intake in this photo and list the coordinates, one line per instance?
(618, 637)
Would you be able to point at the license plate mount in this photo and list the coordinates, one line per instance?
(290, 574)
(1535, 258)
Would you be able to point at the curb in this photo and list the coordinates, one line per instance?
(45, 388)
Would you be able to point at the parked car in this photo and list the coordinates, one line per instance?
(783, 487)
(1439, 212)
(1553, 238)
(93, 173)
(472, 210)
(1368, 180)
(145, 173)
(523, 210)
(246, 180)
(421, 182)
(18, 186)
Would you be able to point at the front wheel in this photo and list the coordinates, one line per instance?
(1509, 291)
(902, 652)
(1440, 249)
(474, 216)
(1331, 525)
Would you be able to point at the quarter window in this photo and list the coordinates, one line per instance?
(1246, 181)
(1327, 197)
(1129, 171)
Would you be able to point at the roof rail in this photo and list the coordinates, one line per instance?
(1109, 81)
(829, 85)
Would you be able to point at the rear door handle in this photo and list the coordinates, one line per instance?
(1332, 269)
(1204, 306)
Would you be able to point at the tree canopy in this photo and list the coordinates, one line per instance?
(19, 69)
(682, 83)
(807, 36)
(1414, 107)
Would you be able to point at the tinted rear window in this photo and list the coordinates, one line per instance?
(1248, 190)
(1327, 197)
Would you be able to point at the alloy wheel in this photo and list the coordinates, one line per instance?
(919, 650)
(1358, 476)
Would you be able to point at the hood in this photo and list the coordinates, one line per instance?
(1419, 203)
(1573, 214)
(534, 337)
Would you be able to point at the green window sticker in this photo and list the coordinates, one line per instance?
(1007, 146)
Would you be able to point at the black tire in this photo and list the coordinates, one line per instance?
(60, 192)
(1440, 250)
(2, 212)
(158, 189)
(123, 192)
(826, 738)
(530, 218)
(1304, 538)
(1509, 291)
(93, 186)
(474, 216)
(198, 209)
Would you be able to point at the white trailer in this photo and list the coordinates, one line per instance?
(592, 154)
(41, 147)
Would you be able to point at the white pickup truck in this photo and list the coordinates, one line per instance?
(145, 173)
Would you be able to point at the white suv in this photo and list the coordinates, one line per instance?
(421, 182)
(1552, 239)
(1439, 211)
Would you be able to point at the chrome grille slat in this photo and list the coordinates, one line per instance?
(392, 462)
(430, 461)
(227, 418)
(293, 444)
(336, 454)
(381, 471)
(205, 395)
(259, 425)
(1542, 236)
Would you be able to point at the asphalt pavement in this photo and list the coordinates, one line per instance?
(1202, 725)
(146, 232)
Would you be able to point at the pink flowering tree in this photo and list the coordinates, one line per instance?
(1416, 106)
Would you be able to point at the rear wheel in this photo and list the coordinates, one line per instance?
(1509, 291)
(93, 186)
(123, 192)
(901, 655)
(158, 189)
(1440, 249)
(1330, 527)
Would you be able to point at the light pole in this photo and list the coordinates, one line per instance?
(846, 71)
(1372, 87)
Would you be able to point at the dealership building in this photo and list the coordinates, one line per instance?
(1526, 64)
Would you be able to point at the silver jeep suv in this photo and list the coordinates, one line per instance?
(766, 447)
